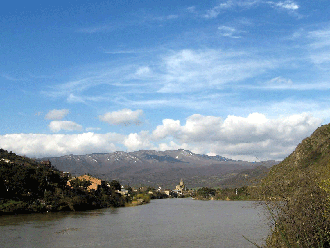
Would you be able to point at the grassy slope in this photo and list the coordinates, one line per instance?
(310, 159)
(303, 221)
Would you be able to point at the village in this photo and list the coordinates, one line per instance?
(180, 190)
(95, 183)
(128, 195)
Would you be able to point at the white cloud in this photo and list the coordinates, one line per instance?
(288, 5)
(56, 126)
(320, 47)
(139, 141)
(181, 71)
(9, 77)
(122, 117)
(191, 9)
(245, 4)
(75, 99)
(168, 128)
(189, 70)
(172, 146)
(143, 70)
(57, 114)
(279, 83)
(200, 127)
(249, 138)
(228, 32)
(40, 145)
(319, 109)
(238, 137)
(280, 80)
(215, 11)
(320, 58)
(89, 129)
(229, 4)
(321, 38)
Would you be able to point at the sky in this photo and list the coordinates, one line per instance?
(244, 79)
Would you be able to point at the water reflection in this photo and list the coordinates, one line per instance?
(162, 223)
(39, 218)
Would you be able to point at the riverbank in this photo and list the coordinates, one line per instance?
(138, 202)
(234, 194)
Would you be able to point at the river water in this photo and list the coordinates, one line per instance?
(161, 223)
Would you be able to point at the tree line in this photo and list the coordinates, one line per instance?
(28, 186)
(206, 193)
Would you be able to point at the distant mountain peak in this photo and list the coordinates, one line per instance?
(151, 167)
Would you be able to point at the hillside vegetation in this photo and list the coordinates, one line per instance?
(297, 191)
(27, 186)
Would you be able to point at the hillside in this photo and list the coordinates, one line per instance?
(247, 177)
(156, 168)
(27, 186)
(309, 160)
(301, 183)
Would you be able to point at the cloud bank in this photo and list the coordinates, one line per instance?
(56, 126)
(214, 12)
(122, 117)
(288, 5)
(248, 138)
(56, 114)
(40, 145)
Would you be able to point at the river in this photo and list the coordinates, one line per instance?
(161, 223)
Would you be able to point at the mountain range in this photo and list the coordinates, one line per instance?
(163, 168)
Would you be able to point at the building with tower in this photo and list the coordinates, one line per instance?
(181, 187)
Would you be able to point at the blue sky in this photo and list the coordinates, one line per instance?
(242, 79)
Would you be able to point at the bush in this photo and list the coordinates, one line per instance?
(301, 218)
(12, 206)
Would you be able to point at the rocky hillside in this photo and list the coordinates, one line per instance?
(156, 168)
(302, 184)
(310, 158)
(248, 177)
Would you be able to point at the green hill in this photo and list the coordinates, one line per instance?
(28, 186)
(297, 193)
(243, 178)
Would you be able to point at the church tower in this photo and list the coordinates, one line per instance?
(181, 186)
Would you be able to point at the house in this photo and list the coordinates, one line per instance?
(168, 192)
(122, 191)
(5, 160)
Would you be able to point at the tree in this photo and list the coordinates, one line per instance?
(114, 184)
(206, 192)
(77, 184)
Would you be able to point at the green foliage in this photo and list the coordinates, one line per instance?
(114, 184)
(297, 191)
(158, 195)
(79, 184)
(144, 197)
(27, 186)
(206, 193)
(12, 206)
